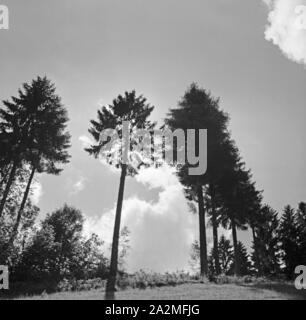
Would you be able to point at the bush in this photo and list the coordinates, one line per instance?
(225, 279)
(143, 280)
(81, 285)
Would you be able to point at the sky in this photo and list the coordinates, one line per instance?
(251, 54)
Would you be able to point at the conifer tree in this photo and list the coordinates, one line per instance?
(289, 239)
(301, 219)
(226, 257)
(135, 110)
(34, 124)
(244, 260)
(198, 109)
(265, 254)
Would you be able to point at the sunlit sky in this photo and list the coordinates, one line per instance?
(95, 49)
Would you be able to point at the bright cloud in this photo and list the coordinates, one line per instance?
(287, 27)
(158, 178)
(161, 232)
(86, 142)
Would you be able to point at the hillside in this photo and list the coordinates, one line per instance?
(196, 291)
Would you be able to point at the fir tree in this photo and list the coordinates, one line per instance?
(136, 111)
(289, 238)
(36, 122)
(198, 109)
(226, 257)
(244, 260)
(265, 256)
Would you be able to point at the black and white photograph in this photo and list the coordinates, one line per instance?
(153, 151)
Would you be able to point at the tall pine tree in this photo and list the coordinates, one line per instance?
(34, 124)
(135, 110)
(198, 109)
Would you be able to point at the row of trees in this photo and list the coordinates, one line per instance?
(219, 190)
(34, 140)
(280, 242)
(279, 246)
(226, 192)
(226, 258)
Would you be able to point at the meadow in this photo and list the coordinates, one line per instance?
(174, 286)
(190, 291)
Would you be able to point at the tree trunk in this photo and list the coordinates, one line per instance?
(8, 187)
(23, 203)
(202, 232)
(215, 231)
(257, 264)
(111, 281)
(5, 173)
(235, 242)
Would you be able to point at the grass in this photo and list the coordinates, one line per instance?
(154, 286)
(189, 291)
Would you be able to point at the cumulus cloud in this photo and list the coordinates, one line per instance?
(161, 232)
(158, 178)
(286, 27)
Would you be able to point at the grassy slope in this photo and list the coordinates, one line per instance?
(191, 292)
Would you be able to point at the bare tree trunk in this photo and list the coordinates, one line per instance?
(202, 232)
(5, 173)
(235, 242)
(20, 212)
(111, 281)
(257, 264)
(8, 187)
(215, 230)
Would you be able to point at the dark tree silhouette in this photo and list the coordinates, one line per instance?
(199, 110)
(255, 221)
(34, 123)
(233, 189)
(244, 260)
(266, 242)
(37, 120)
(136, 111)
(226, 257)
(289, 238)
(58, 250)
(301, 220)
